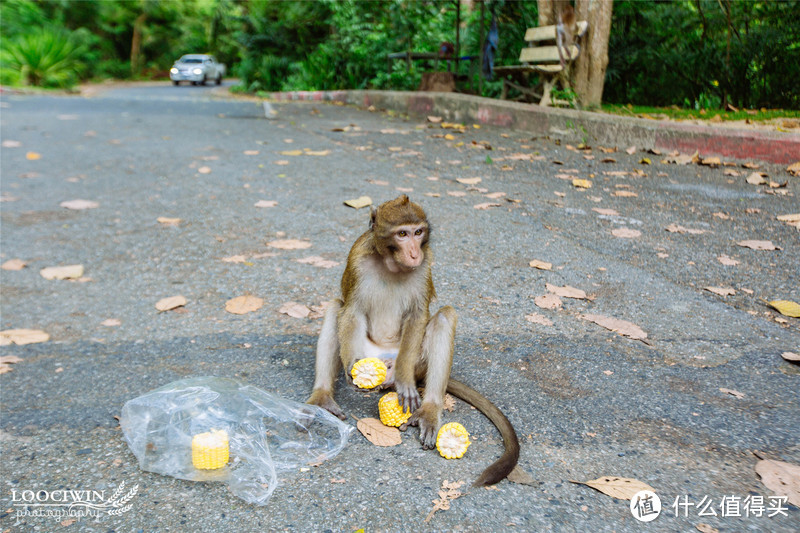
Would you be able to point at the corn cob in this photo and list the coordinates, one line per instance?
(452, 441)
(391, 412)
(368, 373)
(210, 450)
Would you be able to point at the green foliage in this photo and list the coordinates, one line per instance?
(46, 57)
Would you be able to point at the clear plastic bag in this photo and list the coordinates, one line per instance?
(266, 435)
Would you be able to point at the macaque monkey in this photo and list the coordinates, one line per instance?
(383, 312)
(565, 29)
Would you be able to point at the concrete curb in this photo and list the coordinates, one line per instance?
(572, 125)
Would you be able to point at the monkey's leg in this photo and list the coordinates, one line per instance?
(328, 363)
(434, 367)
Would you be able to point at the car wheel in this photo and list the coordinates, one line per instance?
(194, 83)
(176, 82)
(204, 80)
(219, 79)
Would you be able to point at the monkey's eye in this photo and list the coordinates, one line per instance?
(402, 233)
(419, 231)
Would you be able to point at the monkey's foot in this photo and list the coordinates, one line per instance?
(427, 417)
(325, 400)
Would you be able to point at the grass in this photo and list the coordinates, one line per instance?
(677, 113)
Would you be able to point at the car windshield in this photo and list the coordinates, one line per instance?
(190, 60)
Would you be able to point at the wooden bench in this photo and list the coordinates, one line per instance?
(541, 56)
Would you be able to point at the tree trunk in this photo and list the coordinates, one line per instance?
(589, 69)
(136, 44)
(546, 12)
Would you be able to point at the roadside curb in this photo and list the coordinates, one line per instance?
(572, 125)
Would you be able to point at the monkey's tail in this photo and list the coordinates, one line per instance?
(498, 470)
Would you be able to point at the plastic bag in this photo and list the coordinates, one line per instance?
(267, 435)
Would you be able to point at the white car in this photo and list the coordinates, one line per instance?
(197, 68)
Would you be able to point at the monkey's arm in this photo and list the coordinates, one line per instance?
(405, 382)
(352, 336)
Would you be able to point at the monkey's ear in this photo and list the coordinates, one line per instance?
(373, 214)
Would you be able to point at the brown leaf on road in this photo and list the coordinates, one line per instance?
(14, 264)
(622, 327)
(759, 245)
(721, 291)
(521, 477)
(358, 203)
(548, 301)
(33, 156)
(167, 221)
(289, 244)
(111, 322)
(791, 356)
(171, 302)
(566, 291)
(756, 178)
(625, 194)
(265, 203)
(786, 307)
(631, 150)
(727, 261)
(447, 493)
(21, 337)
(62, 272)
(469, 181)
(626, 233)
(486, 205)
(234, 259)
(792, 220)
(617, 487)
(705, 528)
(732, 392)
(378, 434)
(541, 265)
(536, 318)
(794, 169)
(582, 184)
(318, 261)
(781, 478)
(677, 228)
(295, 310)
(79, 204)
(243, 304)
(606, 212)
(204, 170)
(6, 361)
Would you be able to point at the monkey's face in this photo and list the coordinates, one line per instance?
(407, 247)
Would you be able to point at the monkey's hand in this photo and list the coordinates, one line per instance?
(427, 418)
(407, 396)
(389, 380)
(324, 399)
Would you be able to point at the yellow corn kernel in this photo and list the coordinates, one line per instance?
(391, 412)
(210, 450)
(368, 373)
(452, 441)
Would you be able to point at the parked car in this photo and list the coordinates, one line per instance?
(197, 68)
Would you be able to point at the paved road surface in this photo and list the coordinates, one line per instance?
(585, 401)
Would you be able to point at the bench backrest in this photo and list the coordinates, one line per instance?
(541, 53)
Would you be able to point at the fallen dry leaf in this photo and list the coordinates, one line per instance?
(759, 245)
(727, 261)
(317, 152)
(786, 307)
(536, 318)
(566, 291)
(62, 272)
(495, 195)
(449, 403)
(457, 194)
(631, 150)
(171, 302)
(606, 212)
(378, 434)
(676, 228)
(541, 265)
(756, 178)
(204, 170)
(794, 169)
(434, 119)
(111, 322)
(548, 301)
(294, 309)
(705, 528)
(469, 181)
(447, 493)
(732, 392)
(234, 259)
(358, 203)
(625, 194)
(318, 261)
(14, 264)
(486, 205)
(520, 476)
(250, 152)
(781, 478)
(23, 336)
(617, 487)
(623, 327)
(79, 204)
(792, 220)
(289, 244)
(711, 161)
(6, 361)
(721, 291)
(168, 221)
(292, 152)
(244, 304)
(33, 156)
(626, 233)
(791, 356)
(265, 203)
(582, 184)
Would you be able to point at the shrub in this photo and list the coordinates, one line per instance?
(46, 57)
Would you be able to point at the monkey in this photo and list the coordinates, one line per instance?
(386, 291)
(565, 29)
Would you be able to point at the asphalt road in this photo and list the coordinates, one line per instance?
(586, 402)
